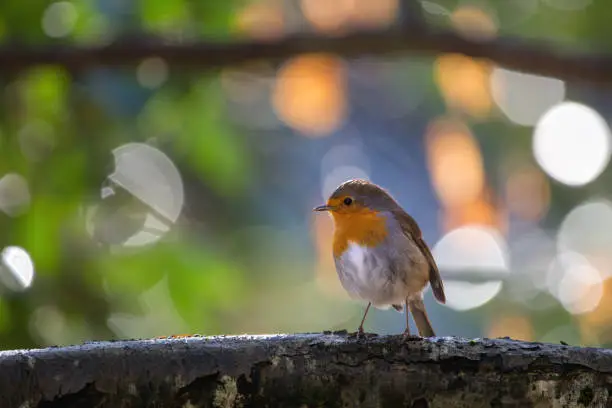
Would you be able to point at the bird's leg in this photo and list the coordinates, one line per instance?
(407, 335)
(360, 329)
(407, 330)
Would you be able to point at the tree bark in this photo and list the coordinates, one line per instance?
(307, 370)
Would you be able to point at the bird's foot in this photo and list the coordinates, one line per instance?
(360, 334)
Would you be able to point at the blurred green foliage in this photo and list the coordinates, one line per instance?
(63, 121)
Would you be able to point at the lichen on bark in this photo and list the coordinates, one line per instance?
(308, 370)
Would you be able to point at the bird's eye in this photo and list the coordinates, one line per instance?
(348, 201)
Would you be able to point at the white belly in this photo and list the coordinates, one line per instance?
(366, 275)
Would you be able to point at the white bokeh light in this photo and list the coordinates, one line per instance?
(581, 289)
(523, 98)
(59, 19)
(17, 262)
(571, 143)
(471, 248)
(151, 176)
(575, 283)
(152, 179)
(587, 229)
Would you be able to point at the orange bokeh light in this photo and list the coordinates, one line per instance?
(455, 162)
(310, 94)
(339, 15)
(328, 16)
(464, 83)
(374, 14)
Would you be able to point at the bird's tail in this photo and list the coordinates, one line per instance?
(417, 308)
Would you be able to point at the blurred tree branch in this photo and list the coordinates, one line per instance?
(307, 370)
(512, 53)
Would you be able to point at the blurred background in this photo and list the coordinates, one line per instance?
(152, 201)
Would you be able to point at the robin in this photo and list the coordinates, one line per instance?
(380, 254)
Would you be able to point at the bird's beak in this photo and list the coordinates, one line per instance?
(323, 208)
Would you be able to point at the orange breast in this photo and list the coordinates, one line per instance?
(364, 228)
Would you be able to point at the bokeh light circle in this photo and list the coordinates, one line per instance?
(17, 268)
(150, 175)
(574, 281)
(587, 229)
(145, 198)
(571, 143)
(471, 248)
(523, 98)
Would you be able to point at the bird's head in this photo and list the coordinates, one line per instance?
(357, 197)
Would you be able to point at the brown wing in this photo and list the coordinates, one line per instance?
(411, 228)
